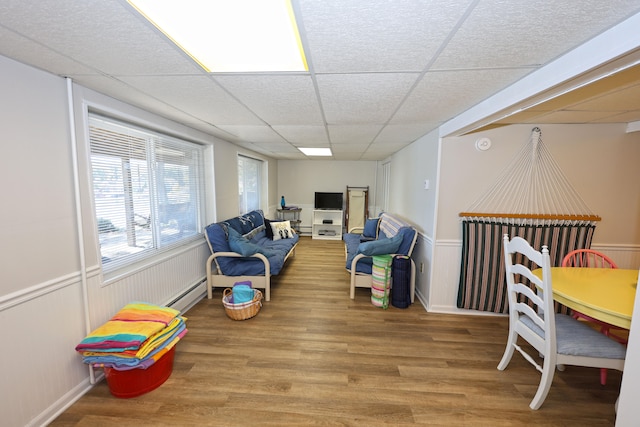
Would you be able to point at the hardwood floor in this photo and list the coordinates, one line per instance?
(312, 356)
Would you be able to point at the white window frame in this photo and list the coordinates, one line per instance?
(156, 184)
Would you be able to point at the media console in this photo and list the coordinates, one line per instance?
(327, 224)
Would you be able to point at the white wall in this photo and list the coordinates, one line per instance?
(41, 273)
(40, 300)
(410, 168)
(600, 161)
(38, 201)
(597, 159)
(298, 180)
(226, 179)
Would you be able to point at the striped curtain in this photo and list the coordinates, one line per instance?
(483, 283)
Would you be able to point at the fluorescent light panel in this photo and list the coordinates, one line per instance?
(230, 35)
(316, 151)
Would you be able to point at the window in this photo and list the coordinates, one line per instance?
(147, 190)
(249, 183)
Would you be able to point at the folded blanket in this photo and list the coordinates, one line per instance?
(116, 360)
(155, 341)
(146, 363)
(129, 328)
(140, 311)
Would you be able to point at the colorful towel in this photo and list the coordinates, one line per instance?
(146, 363)
(156, 341)
(129, 328)
(116, 360)
(141, 311)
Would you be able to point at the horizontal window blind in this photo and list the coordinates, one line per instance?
(147, 187)
(249, 183)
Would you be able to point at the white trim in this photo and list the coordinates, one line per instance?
(27, 294)
(62, 404)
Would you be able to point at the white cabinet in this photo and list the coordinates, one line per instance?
(327, 224)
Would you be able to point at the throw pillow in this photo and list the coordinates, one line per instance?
(381, 246)
(282, 230)
(371, 227)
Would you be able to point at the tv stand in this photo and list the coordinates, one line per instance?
(327, 224)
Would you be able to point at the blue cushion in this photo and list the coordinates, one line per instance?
(352, 241)
(408, 234)
(217, 237)
(244, 247)
(576, 338)
(371, 227)
(381, 246)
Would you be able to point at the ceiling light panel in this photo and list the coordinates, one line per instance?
(230, 36)
(316, 151)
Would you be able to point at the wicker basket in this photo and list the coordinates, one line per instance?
(242, 311)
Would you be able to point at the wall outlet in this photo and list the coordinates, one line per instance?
(426, 184)
(422, 267)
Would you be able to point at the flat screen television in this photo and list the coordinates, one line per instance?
(328, 200)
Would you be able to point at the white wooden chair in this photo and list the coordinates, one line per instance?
(558, 338)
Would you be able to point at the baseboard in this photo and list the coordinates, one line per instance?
(62, 404)
(182, 303)
(191, 297)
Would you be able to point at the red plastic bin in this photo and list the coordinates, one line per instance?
(135, 382)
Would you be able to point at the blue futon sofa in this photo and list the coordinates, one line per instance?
(387, 234)
(248, 247)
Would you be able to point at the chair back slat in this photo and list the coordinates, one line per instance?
(587, 258)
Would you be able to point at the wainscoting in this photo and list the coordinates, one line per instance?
(44, 323)
(445, 277)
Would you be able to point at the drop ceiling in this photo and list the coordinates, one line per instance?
(382, 73)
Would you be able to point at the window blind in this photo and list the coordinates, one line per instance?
(147, 188)
(249, 183)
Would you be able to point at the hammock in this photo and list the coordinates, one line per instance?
(532, 199)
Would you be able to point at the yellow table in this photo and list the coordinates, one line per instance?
(606, 294)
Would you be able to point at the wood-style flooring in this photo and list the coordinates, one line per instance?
(312, 356)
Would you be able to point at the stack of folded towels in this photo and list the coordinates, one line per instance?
(136, 337)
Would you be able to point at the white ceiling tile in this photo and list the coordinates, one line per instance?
(124, 92)
(386, 147)
(278, 99)
(362, 98)
(256, 134)
(108, 36)
(441, 95)
(404, 133)
(199, 95)
(353, 134)
(29, 52)
(528, 32)
(302, 136)
(376, 35)
(349, 148)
